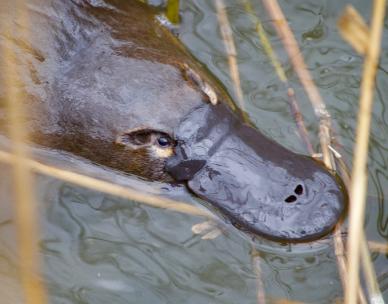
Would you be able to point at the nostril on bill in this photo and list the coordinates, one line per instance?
(291, 199)
(299, 189)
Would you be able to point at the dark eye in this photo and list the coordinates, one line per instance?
(164, 141)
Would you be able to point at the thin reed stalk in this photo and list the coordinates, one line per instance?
(265, 41)
(269, 51)
(108, 188)
(293, 51)
(354, 29)
(342, 264)
(26, 219)
(255, 255)
(295, 55)
(339, 247)
(378, 247)
(227, 37)
(284, 301)
(359, 179)
(370, 275)
(298, 117)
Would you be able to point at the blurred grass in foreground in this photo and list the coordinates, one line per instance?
(26, 217)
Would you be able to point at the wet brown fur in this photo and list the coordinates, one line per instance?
(102, 69)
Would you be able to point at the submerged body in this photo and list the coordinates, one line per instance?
(103, 80)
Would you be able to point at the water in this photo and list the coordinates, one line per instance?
(100, 249)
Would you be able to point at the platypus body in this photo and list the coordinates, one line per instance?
(105, 81)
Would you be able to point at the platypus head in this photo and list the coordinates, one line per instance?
(258, 185)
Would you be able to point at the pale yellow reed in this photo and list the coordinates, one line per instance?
(227, 37)
(295, 55)
(359, 178)
(109, 188)
(354, 29)
(26, 218)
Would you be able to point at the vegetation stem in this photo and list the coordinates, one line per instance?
(359, 178)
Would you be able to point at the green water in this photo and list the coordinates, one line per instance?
(101, 249)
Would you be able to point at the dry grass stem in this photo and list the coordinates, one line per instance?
(26, 218)
(211, 235)
(284, 31)
(284, 301)
(340, 255)
(259, 281)
(369, 271)
(291, 46)
(342, 263)
(339, 244)
(339, 249)
(227, 37)
(269, 51)
(359, 178)
(298, 117)
(108, 188)
(354, 30)
(329, 155)
(208, 230)
(265, 42)
(378, 247)
(370, 275)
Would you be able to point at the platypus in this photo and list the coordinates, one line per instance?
(106, 81)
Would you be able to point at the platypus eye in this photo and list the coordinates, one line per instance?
(143, 137)
(164, 141)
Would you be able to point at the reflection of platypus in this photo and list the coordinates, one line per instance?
(103, 80)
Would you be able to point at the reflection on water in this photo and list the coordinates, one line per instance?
(101, 249)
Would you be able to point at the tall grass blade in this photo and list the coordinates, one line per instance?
(25, 206)
(359, 178)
